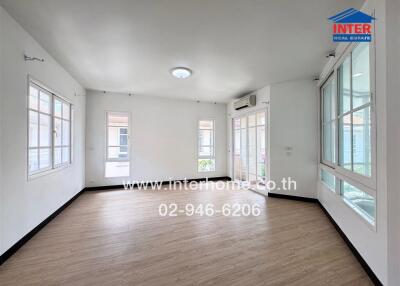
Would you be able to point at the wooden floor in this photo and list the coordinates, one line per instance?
(118, 238)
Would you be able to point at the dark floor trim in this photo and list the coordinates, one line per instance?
(34, 231)
(361, 260)
(29, 235)
(113, 187)
(294, 198)
(355, 252)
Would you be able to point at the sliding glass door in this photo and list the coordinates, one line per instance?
(249, 155)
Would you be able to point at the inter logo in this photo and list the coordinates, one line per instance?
(352, 25)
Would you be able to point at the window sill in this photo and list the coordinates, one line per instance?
(365, 218)
(48, 172)
(370, 223)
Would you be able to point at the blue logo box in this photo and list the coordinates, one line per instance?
(351, 38)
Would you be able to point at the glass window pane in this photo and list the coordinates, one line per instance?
(65, 155)
(359, 199)
(123, 139)
(57, 156)
(362, 142)
(116, 169)
(243, 154)
(328, 150)
(205, 151)
(328, 179)
(205, 137)
(236, 123)
(65, 133)
(243, 122)
(118, 152)
(45, 100)
(252, 120)
(57, 107)
(345, 142)
(113, 136)
(58, 133)
(360, 75)
(237, 154)
(261, 118)
(44, 158)
(117, 120)
(344, 86)
(237, 142)
(328, 101)
(261, 151)
(206, 165)
(33, 129)
(33, 97)
(65, 111)
(206, 124)
(45, 131)
(33, 160)
(252, 151)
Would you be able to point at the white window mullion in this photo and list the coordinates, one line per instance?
(206, 160)
(117, 163)
(46, 113)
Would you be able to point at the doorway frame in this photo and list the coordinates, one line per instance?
(267, 162)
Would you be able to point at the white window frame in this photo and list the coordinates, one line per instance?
(331, 76)
(106, 157)
(53, 167)
(266, 138)
(54, 117)
(369, 182)
(212, 156)
(363, 183)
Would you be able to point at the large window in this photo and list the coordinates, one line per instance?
(206, 150)
(49, 130)
(347, 137)
(355, 138)
(117, 149)
(328, 120)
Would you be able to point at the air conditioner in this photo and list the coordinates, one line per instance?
(245, 101)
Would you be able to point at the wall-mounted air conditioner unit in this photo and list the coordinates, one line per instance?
(245, 101)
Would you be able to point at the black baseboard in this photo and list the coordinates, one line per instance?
(361, 260)
(30, 234)
(355, 252)
(294, 198)
(113, 187)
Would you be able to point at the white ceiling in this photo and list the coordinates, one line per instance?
(233, 46)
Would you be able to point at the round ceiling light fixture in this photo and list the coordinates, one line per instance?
(181, 72)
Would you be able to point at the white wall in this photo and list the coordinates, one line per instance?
(291, 123)
(393, 127)
(163, 137)
(1, 128)
(25, 203)
(371, 244)
(293, 135)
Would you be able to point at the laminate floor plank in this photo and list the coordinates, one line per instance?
(118, 238)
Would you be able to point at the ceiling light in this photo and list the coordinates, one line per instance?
(180, 72)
